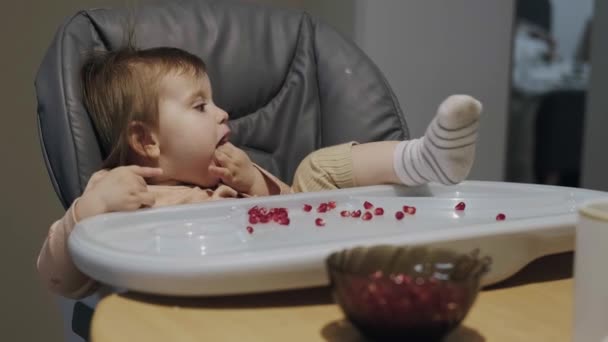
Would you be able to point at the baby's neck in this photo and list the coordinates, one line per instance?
(165, 181)
(173, 182)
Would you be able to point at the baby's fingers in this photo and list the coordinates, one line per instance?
(227, 148)
(222, 158)
(145, 172)
(220, 172)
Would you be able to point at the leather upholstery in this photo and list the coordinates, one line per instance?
(290, 83)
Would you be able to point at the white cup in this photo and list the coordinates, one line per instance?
(591, 273)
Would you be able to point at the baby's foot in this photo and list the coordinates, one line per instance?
(446, 152)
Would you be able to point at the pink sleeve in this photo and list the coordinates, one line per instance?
(283, 188)
(55, 264)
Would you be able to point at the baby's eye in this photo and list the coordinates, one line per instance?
(200, 107)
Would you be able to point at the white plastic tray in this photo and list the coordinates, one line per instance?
(205, 249)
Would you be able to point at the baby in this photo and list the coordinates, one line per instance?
(167, 142)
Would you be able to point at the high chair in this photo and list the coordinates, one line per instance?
(290, 83)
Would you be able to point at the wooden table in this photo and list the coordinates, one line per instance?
(534, 305)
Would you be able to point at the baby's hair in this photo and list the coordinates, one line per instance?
(122, 86)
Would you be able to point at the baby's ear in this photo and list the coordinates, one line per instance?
(143, 140)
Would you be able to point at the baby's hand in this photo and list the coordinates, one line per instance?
(235, 169)
(120, 189)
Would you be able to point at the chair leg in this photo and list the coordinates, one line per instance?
(81, 320)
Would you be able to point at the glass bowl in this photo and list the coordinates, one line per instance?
(405, 293)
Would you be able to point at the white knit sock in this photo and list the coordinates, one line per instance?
(446, 152)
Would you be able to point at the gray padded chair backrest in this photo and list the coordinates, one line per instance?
(290, 83)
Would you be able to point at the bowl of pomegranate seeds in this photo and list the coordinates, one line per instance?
(405, 293)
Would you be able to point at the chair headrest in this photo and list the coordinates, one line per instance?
(290, 83)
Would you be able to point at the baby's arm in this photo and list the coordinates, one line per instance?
(120, 189)
(275, 185)
(55, 265)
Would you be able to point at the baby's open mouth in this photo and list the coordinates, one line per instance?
(224, 139)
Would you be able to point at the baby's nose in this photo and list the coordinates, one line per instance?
(223, 116)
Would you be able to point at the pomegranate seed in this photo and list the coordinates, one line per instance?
(379, 211)
(399, 215)
(367, 216)
(377, 275)
(322, 208)
(265, 215)
(356, 213)
(406, 208)
(331, 204)
(307, 207)
(367, 205)
(345, 213)
(250, 229)
(500, 217)
(460, 206)
(320, 222)
(411, 210)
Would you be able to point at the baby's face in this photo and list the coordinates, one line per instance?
(190, 129)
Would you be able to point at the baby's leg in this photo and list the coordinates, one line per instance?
(325, 169)
(444, 154)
